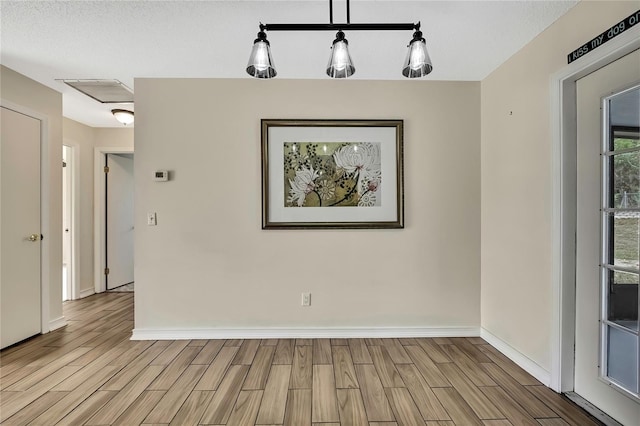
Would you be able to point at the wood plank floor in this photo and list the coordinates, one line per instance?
(90, 373)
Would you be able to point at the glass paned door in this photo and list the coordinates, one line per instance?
(620, 343)
(606, 256)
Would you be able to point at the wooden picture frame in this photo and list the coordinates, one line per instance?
(332, 174)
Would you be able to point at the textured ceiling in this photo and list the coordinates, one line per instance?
(124, 40)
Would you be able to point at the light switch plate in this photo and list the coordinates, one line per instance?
(151, 219)
(306, 299)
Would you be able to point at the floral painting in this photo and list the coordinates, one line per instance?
(332, 174)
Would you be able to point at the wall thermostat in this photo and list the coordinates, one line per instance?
(161, 175)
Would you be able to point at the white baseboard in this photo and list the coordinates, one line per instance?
(524, 362)
(57, 323)
(302, 333)
(86, 292)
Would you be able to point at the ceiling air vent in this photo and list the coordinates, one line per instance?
(104, 91)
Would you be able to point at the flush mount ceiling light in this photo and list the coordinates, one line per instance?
(417, 63)
(123, 115)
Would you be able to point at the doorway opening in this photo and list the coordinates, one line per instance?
(119, 222)
(69, 217)
(113, 218)
(565, 204)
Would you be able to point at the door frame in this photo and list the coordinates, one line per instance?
(46, 249)
(74, 172)
(99, 216)
(563, 234)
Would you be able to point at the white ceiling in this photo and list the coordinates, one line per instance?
(47, 40)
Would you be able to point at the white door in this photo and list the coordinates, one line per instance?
(608, 214)
(20, 311)
(119, 220)
(67, 267)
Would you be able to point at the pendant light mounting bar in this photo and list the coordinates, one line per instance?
(337, 27)
(344, 27)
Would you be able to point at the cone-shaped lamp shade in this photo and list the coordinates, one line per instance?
(123, 115)
(260, 62)
(417, 63)
(340, 64)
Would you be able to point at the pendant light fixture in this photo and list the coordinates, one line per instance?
(417, 63)
(124, 116)
(340, 64)
(260, 62)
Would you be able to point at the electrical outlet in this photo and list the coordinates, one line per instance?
(306, 299)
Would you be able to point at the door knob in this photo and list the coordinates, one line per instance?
(33, 237)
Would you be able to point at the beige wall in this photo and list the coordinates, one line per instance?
(32, 95)
(85, 139)
(516, 180)
(208, 264)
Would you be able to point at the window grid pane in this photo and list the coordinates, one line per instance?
(620, 338)
(623, 240)
(622, 298)
(622, 358)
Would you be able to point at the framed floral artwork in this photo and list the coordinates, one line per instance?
(332, 174)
